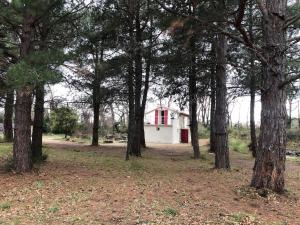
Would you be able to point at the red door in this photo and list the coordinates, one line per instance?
(184, 136)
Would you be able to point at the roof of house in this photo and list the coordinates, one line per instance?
(167, 108)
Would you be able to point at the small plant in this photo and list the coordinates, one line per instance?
(170, 212)
(53, 209)
(4, 206)
(39, 184)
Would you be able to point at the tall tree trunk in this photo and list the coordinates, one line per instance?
(212, 111)
(193, 102)
(130, 82)
(22, 136)
(144, 101)
(96, 109)
(96, 97)
(269, 165)
(212, 139)
(253, 144)
(148, 60)
(37, 133)
(136, 147)
(289, 119)
(130, 132)
(111, 106)
(221, 120)
(8, 116)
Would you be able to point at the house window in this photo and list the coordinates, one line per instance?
(162, 116)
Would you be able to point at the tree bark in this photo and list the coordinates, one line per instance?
(212, 101)
(130, 82)
(136, 144)
(148, 60)
(253, 144)
(37, 133)
(221, 120)
(96, 97)
(8, 116)
(289, 119)
(269, 165)
(22, 135)
(193, 102)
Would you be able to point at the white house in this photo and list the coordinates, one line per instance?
(166, 126)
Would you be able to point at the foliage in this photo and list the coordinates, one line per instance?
(35, 70)
(203, 131)
(63, 121)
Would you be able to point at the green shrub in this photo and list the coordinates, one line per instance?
(238, 145)
(63, 121)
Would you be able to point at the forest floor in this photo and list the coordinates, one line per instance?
(80, 184)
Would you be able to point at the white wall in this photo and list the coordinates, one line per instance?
(163, 136)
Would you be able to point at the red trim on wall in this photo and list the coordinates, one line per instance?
(156, 117)
(166, 117)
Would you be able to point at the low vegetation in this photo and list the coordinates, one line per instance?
(80, 184)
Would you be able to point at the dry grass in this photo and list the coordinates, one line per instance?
(80, 184)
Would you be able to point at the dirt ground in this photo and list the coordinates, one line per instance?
(80, 184)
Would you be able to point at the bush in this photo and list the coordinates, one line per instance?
(238, 145)
(63, 121)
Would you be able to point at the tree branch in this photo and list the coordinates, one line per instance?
(289, 80)
(291, 20)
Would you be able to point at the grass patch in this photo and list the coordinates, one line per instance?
(170, 212)
(5, 150)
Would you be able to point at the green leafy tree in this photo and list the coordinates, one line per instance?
(64, 121)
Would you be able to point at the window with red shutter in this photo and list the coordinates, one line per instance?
(156, 117)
